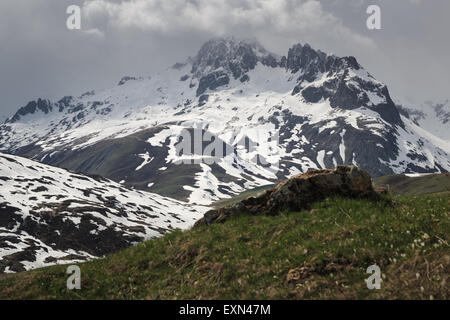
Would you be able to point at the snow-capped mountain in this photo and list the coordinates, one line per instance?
(52, 216)
(325, 110)
(431, 116)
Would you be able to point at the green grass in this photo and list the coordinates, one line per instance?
(412, 186)
(249, 257)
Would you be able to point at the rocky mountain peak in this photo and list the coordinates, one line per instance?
(311, 62)
(43, 105)
(221, 59)
(304, 57)
(327, 110)
(231, 56)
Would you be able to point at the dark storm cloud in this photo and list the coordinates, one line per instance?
(39, 57)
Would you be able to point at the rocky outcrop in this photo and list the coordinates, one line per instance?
(299, 192)
(212, 81)
(125, 79)
(31, 108)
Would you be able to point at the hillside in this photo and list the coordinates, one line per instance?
(412, 186)
(50, 215)
(319, 253)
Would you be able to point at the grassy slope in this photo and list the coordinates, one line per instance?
(250, 257)
(408, 186)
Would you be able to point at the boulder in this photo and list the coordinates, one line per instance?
(299, 193)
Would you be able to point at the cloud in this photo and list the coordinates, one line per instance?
(288, 18)
(94, 32)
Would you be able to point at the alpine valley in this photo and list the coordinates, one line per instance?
(325, 110)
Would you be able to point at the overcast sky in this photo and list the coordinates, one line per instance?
(40, 57)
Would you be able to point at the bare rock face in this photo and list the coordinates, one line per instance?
(299, 192)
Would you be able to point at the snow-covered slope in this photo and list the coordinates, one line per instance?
(430, 116)
(326, 110)
(49, 215)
